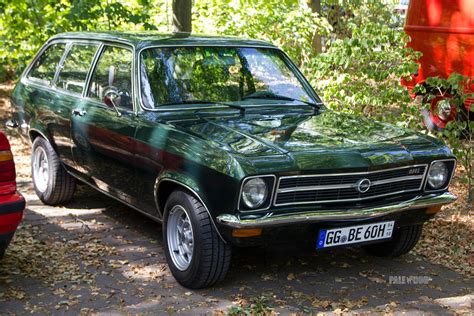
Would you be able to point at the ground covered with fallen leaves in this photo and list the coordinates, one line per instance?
(96, 255)
(448, 239)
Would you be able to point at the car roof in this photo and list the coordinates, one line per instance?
(142, 39)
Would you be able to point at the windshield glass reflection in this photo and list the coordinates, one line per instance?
(186, 75)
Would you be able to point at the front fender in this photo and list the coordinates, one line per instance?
(189, 184)
(179, 178)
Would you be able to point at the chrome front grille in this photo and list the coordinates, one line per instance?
(345, 187)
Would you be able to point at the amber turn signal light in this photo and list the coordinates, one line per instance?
(251, 232)
(6, 156)
(433, 209)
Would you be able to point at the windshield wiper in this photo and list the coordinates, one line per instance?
(273, 96)
(235, 106)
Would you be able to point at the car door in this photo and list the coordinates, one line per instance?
(103, 126)
(69, 86)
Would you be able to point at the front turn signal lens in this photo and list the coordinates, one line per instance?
(251, 232)
(433, 209)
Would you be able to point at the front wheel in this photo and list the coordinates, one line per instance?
(404, 239)
(196, 254)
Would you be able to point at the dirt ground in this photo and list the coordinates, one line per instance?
(95, 255)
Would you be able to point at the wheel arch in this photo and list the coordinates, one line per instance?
(164, 186)
(34, 132)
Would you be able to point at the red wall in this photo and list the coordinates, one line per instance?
(443, 30)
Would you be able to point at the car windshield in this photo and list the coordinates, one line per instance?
(243, 75)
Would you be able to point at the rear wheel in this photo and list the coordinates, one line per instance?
(196, 254)
(52, 183)
(404, 239)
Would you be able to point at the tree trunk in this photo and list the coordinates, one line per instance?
(182, 15)
(315, 6)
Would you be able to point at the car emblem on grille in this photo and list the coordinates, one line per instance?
(363, 185)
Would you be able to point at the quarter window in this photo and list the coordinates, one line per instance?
(44, 68)
(112, 78)
(73, 73)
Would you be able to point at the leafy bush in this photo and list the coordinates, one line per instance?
(360, 70)
(286, 23)
(26, 25)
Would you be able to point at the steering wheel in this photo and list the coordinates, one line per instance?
(109, 94)
(108, 90)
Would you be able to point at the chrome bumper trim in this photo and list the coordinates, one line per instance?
(275, 219)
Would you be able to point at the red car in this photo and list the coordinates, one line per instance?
(443, 30)
(12, 203)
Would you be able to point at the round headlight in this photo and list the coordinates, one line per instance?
(254, 192)
(438, 175)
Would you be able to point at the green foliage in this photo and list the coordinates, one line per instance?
(26, 25)
(360, 70)
(458, 133)
(286, 23)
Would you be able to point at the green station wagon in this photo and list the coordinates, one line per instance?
(224, 142)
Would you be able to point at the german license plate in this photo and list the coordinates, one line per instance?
(354, 234)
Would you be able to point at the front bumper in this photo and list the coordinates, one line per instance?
(287, 219)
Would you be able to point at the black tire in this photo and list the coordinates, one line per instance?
(2, 253)
(404, 239)
(60, 184)
(210, 255)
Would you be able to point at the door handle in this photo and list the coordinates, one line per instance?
(79, 112)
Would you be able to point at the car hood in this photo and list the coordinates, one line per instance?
(323, 140)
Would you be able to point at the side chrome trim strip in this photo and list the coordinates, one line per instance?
(274, 219)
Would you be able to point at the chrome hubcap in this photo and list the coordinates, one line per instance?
(444, 109)
(40, 169)
(180, 237)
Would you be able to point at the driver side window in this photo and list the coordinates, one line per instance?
(112, 78)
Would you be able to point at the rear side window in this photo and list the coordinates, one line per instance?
(44, 68)
(73, 73)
